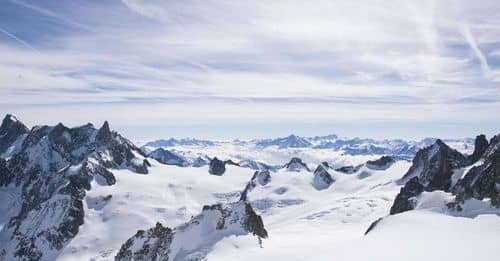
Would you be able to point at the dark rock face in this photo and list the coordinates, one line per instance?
(432, 169)
(482, 181)
(259, 177)
(10, 130)
(155, 245)
(349, 169)
(296, 164)
(53, 168)
(5, 175)
(405, 200)
(480, 146)
(434, 166)
(216, 222)
(217, 167)
(322, 178)
(373, 225)
(382, 163)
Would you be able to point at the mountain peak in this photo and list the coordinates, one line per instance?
(104, 132)
(10, 120)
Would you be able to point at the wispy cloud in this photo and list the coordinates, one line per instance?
(316, 59)
(473, 45)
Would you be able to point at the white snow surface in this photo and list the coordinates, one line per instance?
(302, 222)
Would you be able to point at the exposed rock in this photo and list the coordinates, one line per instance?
(263, 177)
(434, 166)
(322, 178)
(10, 130)
(259, 177)
(52, 168)
(153, 244)
(480, 146)
(382, 163)
(373, 225)
(5, 174)
(210, 226)
(104, 133)
(168, 157)
(296, 165)
(482, 181)
(217, 167)
(406, 199)
(349, 169)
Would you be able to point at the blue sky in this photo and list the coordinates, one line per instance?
(227, 69)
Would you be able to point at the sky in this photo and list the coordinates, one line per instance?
(244, 69)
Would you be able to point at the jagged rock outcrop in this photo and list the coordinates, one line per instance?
(168, 157)
(52, 168)
(406, 199)
(349, 169)
(217, 167)
(259, 177)
(11, 130)
(322, 178)
(373, 225)
(297, 165)
(210, 226)
(480, 146)
(382, 163)
(482, 181)
(434, 166)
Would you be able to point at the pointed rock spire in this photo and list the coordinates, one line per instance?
(480, 146)
(322, 178)
(296, 164)
(104, 133)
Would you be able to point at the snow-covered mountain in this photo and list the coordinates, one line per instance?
(269, 153)
(87, 193)
(46, 173)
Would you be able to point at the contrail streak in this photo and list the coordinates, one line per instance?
(17, 39)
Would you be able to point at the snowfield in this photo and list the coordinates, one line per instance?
(302, 222)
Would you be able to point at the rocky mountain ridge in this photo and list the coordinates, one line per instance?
(51, 167)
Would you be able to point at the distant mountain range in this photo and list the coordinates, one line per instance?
(182, 149)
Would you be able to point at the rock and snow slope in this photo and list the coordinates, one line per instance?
(92, 174)
(45, 179)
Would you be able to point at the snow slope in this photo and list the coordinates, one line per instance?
(172, 195)
(168, 194)
(302, 222)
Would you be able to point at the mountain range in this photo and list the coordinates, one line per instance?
(88, 193)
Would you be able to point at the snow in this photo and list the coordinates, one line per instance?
(415, 235)
(171, 195)
(302, 222)
(168, 194)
